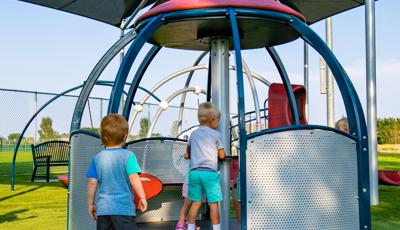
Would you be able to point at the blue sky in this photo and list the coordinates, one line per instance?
(48, 50)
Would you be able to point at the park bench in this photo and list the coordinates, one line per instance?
(48, 154)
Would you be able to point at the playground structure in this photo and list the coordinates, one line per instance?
(283, 195)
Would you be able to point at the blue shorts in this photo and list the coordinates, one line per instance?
(204, 182)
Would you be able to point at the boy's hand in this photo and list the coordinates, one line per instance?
(92, 211)
(142, 205)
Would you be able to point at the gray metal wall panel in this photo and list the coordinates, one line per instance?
(302, 179)
(83, 149)
(163, 159)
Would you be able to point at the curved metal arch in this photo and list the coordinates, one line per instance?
(94, 75)
(355, 114)
(288, 86)
(188, 80)
(255, 95)
(169, 98)
(178, 73)
(161, 83)
(128, 60)
(137, 78)
(241, 111)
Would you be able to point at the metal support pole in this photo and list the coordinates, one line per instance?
(371, 98)
(121, 58)
(220, 98)
(101, 109)
(35, 141)
(330, 102)
(306, 74)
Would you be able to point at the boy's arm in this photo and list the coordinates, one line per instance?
(187, 153)
(221, 154)
(133, 170)
(138, 189)
(91, 191)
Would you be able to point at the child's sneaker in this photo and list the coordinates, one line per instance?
(181, 225)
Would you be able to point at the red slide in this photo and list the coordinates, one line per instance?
(389, 177)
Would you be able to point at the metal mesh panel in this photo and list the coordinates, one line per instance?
(164, 207)
(83, 148)
(163, 159)
(302, 179)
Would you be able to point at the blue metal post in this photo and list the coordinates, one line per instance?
(242, 128)
(137, 78)
(288, 86)
(130, 57)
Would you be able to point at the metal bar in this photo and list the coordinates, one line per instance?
(255, 95)
(219, 63)
(187, 83)
(45, 93)
(306, 79)
(126, 65)
(242, 128)
(138, 8)
(137, 78)
(209, 79)
(169, 98)
(94, 75)
(35, 104)
(158, 85)
(330, 96)
(371, 98)
(355, 115)
(286, 82)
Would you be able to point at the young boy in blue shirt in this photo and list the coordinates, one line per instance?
(111, 176)
(204, 148)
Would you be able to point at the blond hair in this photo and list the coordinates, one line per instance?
(113, 130)
(342, 124)
(207, 111)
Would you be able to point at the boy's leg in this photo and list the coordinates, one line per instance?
(212, 187)
(194, 211)
(124, 222)
(104, 223)
(214, 213)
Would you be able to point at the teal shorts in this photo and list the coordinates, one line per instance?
(204, 182)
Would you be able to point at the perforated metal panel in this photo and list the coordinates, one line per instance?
(83, 149)
(162, 158)
(302, 179)
(165, 160)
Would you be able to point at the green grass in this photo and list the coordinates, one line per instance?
(44, 205)
(36, 205)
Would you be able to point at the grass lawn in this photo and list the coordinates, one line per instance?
(43, 205)
(38, 205)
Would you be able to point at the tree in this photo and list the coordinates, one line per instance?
(46, 131)
(388, 130)
(13, 137)
(144, 127)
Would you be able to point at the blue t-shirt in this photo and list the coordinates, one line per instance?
(112, 167)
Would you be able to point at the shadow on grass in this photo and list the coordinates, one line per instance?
(12, 216)
(20, 193)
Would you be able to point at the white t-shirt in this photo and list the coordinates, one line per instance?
(204, 144)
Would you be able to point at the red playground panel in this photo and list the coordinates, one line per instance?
(389, 177)
(279, 113)
(152, 186)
